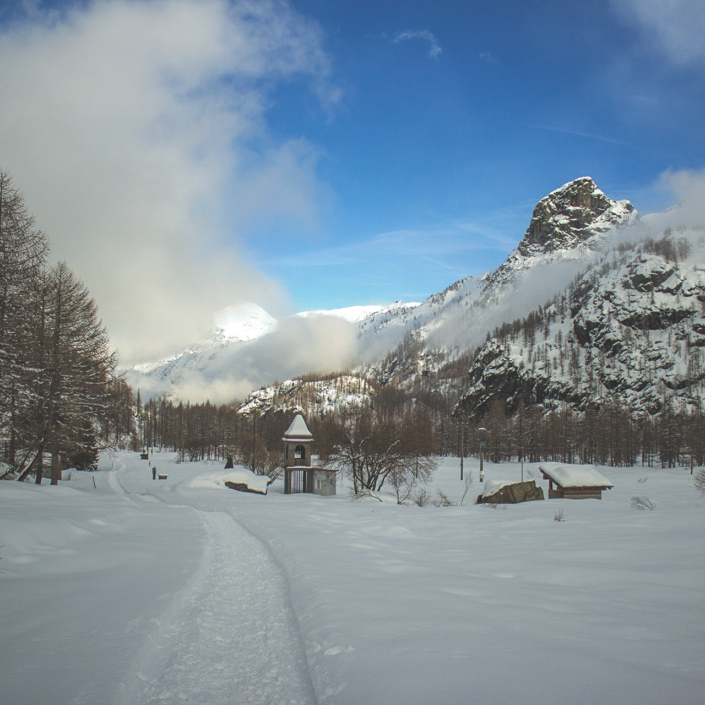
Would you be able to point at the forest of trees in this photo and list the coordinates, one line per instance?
(56, 368)
(425, 426)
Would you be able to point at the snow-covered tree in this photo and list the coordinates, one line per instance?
(22, 252)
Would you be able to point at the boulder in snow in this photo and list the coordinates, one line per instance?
(510, 493)
(244, 480)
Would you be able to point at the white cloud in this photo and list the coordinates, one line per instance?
(136, 131)
(689, 189)
(434, 48)
(489, 57)
(677, 25)
(295, 347)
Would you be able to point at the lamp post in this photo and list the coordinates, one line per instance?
(481, 435)
(254, 440)
(463, 426)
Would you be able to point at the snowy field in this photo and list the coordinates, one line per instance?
(183, 591)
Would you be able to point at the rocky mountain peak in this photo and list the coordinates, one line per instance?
(570, 215)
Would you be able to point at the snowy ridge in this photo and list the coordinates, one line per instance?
(356, 314)
(242, 322)
(567, 231)
(303, 397)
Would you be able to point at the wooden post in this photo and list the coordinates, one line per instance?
(481, 438)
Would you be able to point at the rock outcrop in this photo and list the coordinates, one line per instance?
(513, 493)
(243, 487)
(571, 215)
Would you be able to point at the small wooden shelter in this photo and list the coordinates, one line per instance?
(574, 481)
(299, 475)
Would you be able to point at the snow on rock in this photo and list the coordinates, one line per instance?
(491, 486)
(572, 214)
(510, 492)
(237, 476)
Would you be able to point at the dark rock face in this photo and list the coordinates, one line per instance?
(571, 215)
(631, 331)
(496, 375)
(575, 215)
(514, 494)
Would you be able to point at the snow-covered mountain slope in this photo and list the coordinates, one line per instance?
(304, 396)
(566, 233)
(631, 330)
(242, 322)
(356, 314)
(427, 346)
(235, 325)
(398, 343)
(567, 227)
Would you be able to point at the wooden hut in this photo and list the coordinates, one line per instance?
(574, 481)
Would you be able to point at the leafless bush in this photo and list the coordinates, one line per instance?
(374, 450)
(642, 503)
(558, 516)
(443, 500)
(422, 497)
(404, 483)
(468, 485)
(699, 480)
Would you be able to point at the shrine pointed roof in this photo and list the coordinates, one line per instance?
(298, 430)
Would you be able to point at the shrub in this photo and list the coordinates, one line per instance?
(642, 503)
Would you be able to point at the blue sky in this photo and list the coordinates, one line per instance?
(457, 134)
(184, 155)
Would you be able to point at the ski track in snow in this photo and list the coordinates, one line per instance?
(231, 636)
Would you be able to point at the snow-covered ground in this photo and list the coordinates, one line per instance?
(181, 590)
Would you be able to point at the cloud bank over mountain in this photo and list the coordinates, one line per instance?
(138, 136)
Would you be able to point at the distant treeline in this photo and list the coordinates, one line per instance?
(609, 436)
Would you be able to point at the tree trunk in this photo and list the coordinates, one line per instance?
(55, 466)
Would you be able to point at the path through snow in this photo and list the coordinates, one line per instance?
(238, 641)
(230, 636)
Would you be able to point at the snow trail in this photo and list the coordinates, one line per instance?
(238, 641)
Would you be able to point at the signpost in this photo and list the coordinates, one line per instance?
(481, 436)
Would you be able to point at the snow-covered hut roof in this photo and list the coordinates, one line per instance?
(574, 475)
(298, 431)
